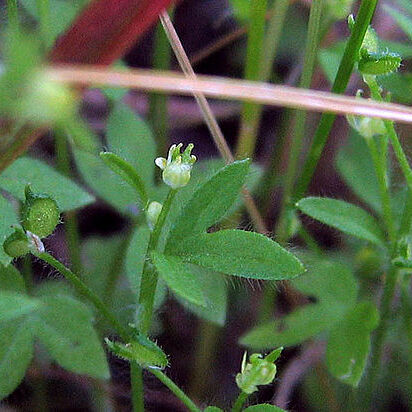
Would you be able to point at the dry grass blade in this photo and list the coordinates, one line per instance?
(222, 88)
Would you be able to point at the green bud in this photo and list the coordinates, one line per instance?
(17, 244)
(152, 213)
(39, 214)
(177, 167)
(370, 41)
(258, 371)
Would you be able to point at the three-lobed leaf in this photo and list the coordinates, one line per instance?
(239, 253)
(344, 216)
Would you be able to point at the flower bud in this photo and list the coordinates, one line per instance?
(40, 214)
(152, 213)
(177, 167)
(258, 371)
(17, 244)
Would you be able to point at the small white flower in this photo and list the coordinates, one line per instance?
(177, 167)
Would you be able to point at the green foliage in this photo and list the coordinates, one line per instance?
(335, 290)
(43, 179)
(214, 290)
(210, 202)
(344, 216)
(142, 350)
(355, 165)
(239, 253)
(63, 326)
(403, 21)
(179, 278)
(349, 343)
(8, 218)
(14, 305)
(379, 63)
(263, 407)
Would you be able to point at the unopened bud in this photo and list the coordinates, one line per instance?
(152, 213)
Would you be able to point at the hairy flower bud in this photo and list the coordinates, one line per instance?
(40, 214)
(152, 213)
(17, 244)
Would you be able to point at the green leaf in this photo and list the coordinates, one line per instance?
(210, 202)
(106, 184)
(8, 218)
(349, 343)
(135, 258)
(344, 216)
(335, 289)
(13, 305)
(130, 138)
(11, 280)
(403, 21)
(214, 288)
(379, 63)
(355, 165)
(64, 327)
(240, 253)
(127, 173)
(264, 407)
(43, 179)
(179, 278)
(399, 85)
(213, 409)
(16, 353)
(143, 351)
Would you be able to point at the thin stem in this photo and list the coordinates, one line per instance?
(406, 306)
(347, 63)
(380, 335)
(175, 389)
(149, 277)
(13, 14)
(295, 146)
(136, 381)
(247, 140)
(85, 291)
(70, 218)
(241, 399)
(381, 175)
(158, 113)
(43, 11)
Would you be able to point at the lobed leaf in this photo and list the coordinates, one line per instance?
(344, 216)
(14, 305)
(349, 343)
(239, 253)
(64, 327)
(43, 179)
(11, 280)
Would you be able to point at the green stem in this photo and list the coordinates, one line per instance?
(175, 389)
(43, 11)
(381, 175)
(312, 43)
(158, 113)
(406, 306)
(149, 277)
(85, 291)
(347, 63)
(380, 335)
(247, 139)
(70, 218)
(13, 15)
(241, 399)
(136, 381)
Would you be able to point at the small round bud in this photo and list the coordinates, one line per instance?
(152, 213)
(40, 214)
(177, 167)
(17, 244)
